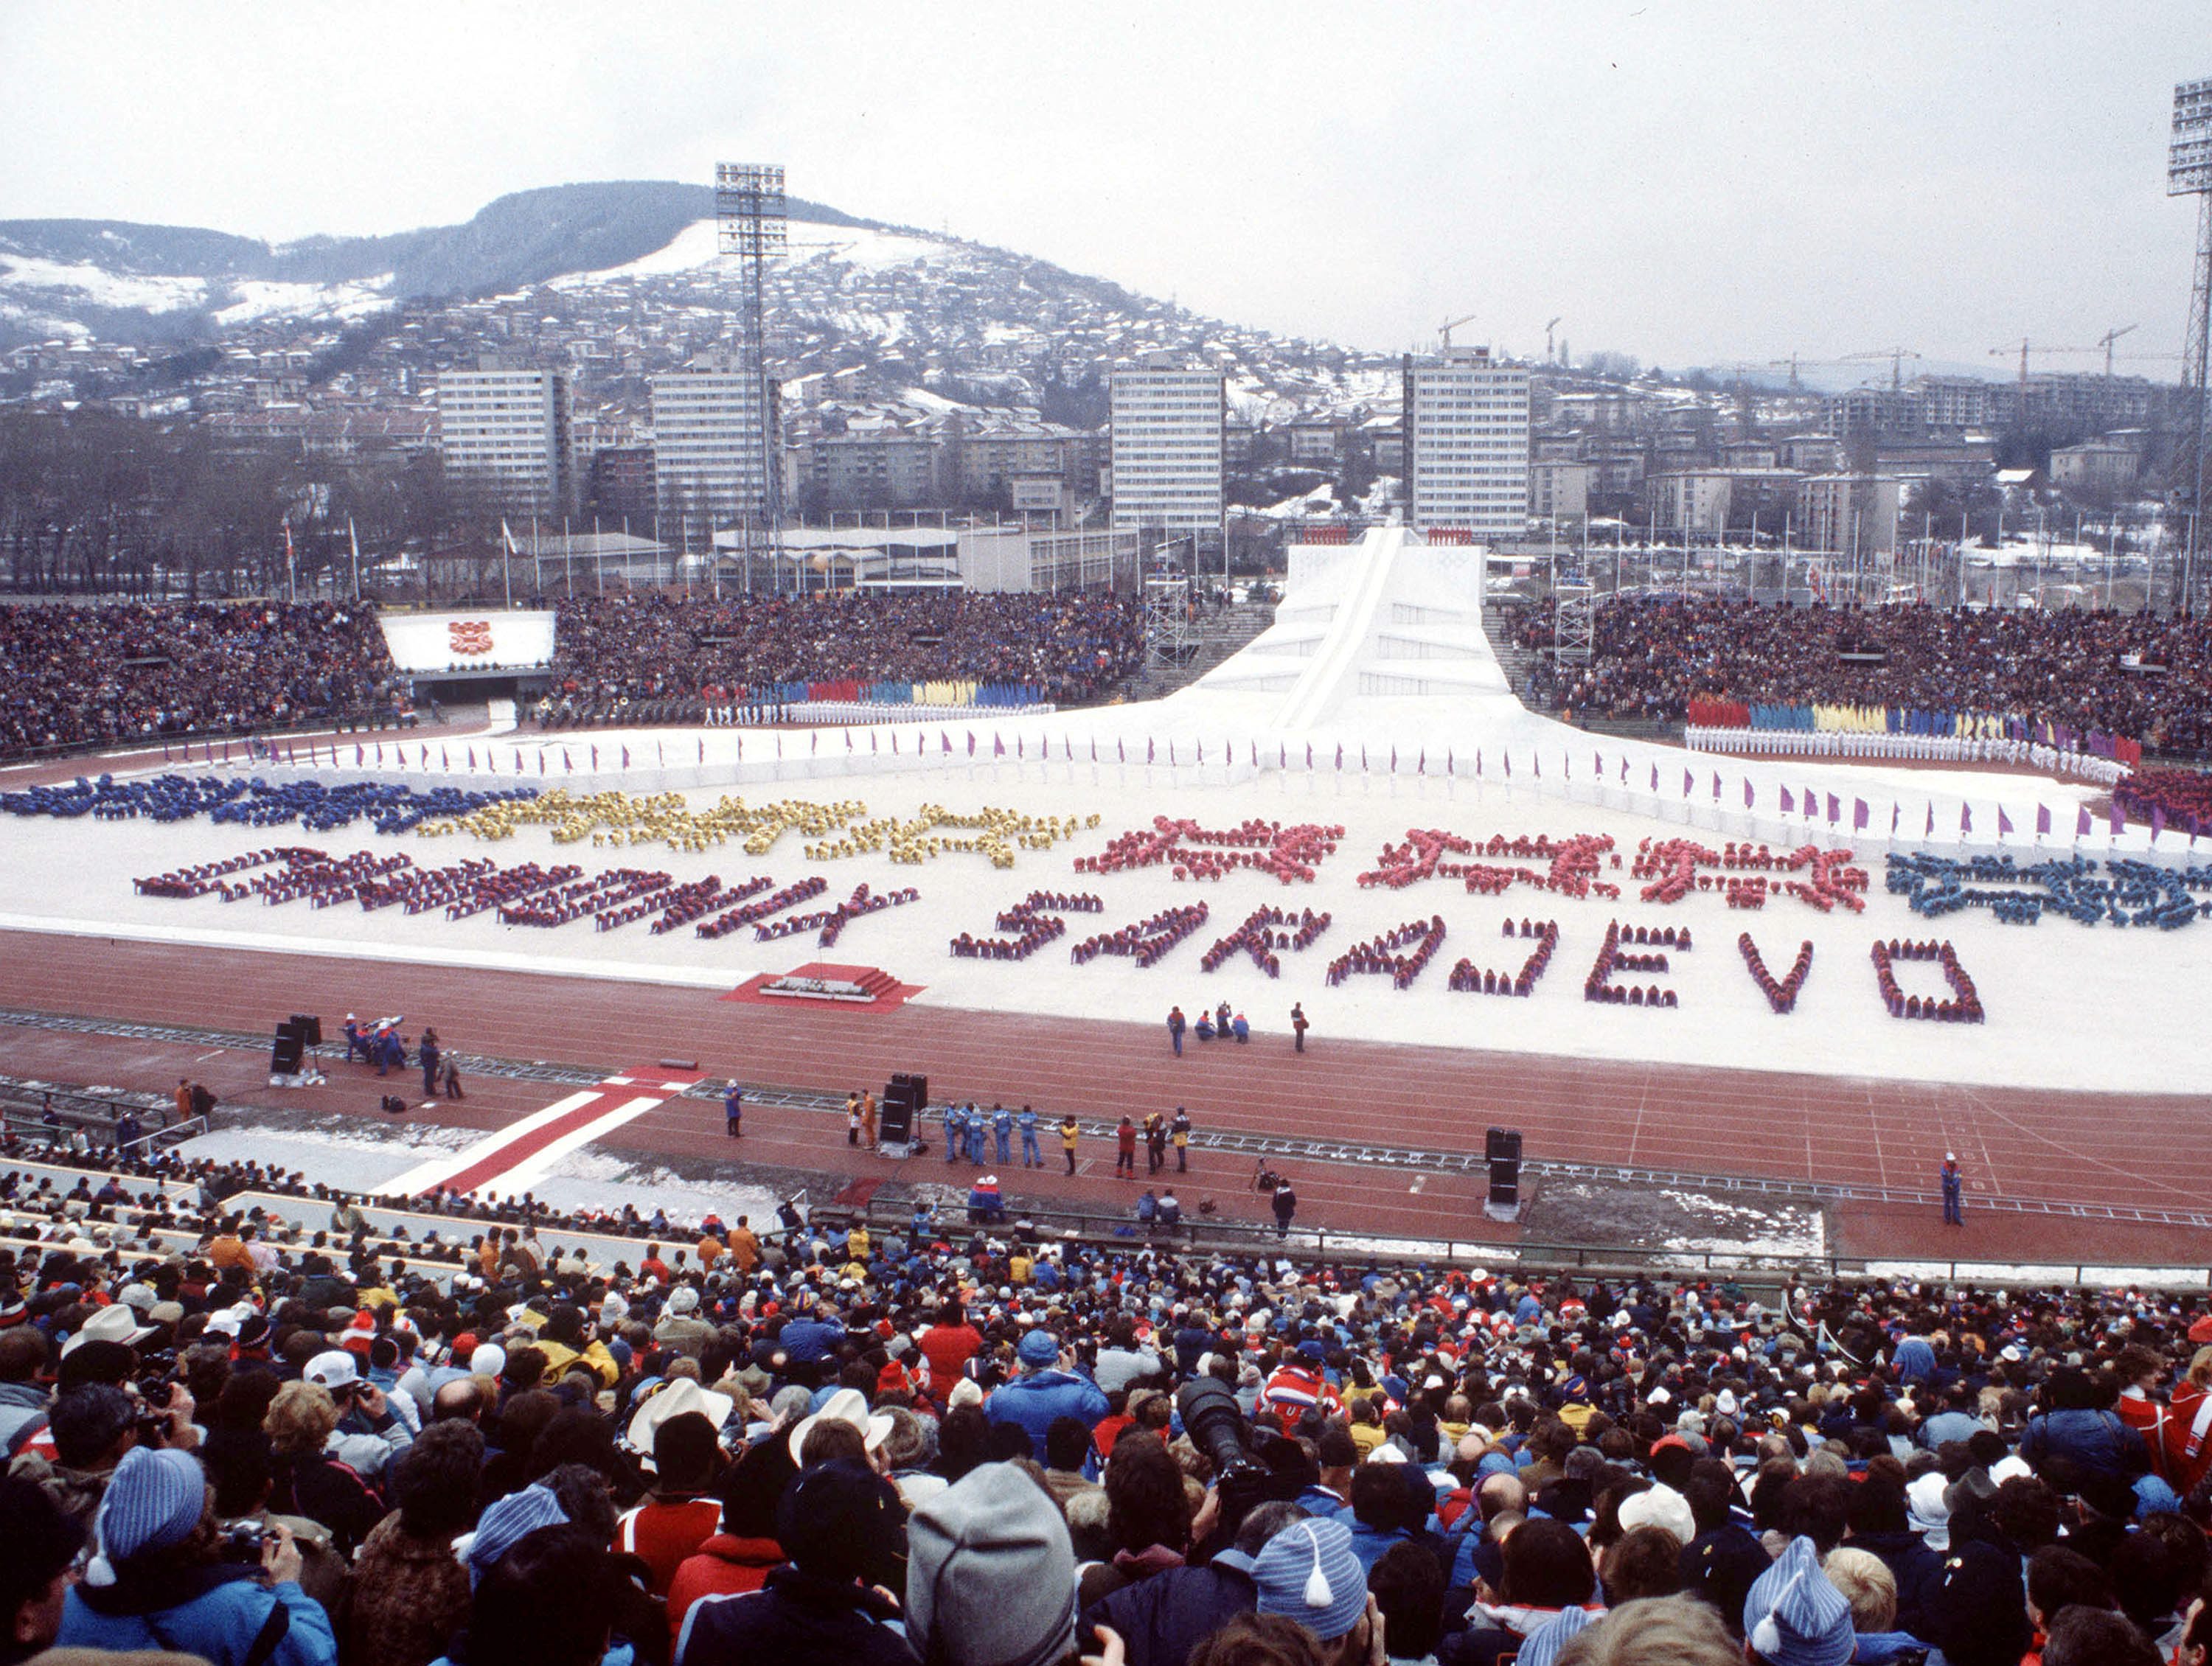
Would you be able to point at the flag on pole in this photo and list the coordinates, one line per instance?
(1716, 786)
(1120, 752)
(1255, 754)
(443, 762)
(541, 760)
(2119, 820)
(2004, 823)
(813, 741)
(1896, 814)
(1965, 818)
(1308, 754)
(2157, 821)
(1172, 752)
(1509, 763)
(1930, 832)
(1201, 751)
(702, 745)
(1654, 777)
(1450, 762)
(1363, 757)
(1623, 769)
(998, 745)
(1835, 809)
(567, 768)
(356, 754)
(971, 742)
(1421, 764)
(848, 740)
(1597, 765)
(1566, 765)
(625, 757)
(1393, 757)
(472, 760)
(1788, 805)
(1750, 798)
(380, 754)
(1148, 748)
(595, 757)
(1860, 815)
(1689, 782)
(1536, 765)
(1340, 754)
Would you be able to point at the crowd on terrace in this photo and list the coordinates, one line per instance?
(1073, 646)
(2141, 675)
(75, 675)
(806, 1444)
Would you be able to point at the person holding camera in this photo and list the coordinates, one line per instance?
(159, 1580)
(311, 1480)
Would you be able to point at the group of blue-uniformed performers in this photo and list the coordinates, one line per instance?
(966, 1127)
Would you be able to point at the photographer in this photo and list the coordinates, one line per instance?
(158, 1581)
(311, 1480)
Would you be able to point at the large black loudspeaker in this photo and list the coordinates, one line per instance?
(904, 1098)
(310, 1029)
(286, 1052)
(1502, 1150)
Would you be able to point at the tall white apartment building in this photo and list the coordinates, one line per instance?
(1167, 418)
(707, 455)
(1466, 423)
(506, 434)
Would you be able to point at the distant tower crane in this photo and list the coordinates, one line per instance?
(1445, 329)
(1896, 355)
(2105, 342)
(1548, 328)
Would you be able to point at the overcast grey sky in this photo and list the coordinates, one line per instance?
(1688, 182)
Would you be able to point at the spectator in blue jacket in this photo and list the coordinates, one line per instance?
(158, 1581)
(1048, 1387)
(2075, 1433)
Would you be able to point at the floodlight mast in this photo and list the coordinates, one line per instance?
(752, 223)
(2189, 173)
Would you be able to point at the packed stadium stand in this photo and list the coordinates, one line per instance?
(71, 675)
(1067, 649)
(2140, 676)
(230, 1394)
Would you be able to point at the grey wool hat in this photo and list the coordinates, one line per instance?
(990, 1575)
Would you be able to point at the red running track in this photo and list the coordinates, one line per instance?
(2127, 1151)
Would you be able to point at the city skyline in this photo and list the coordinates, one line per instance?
(1705, 184)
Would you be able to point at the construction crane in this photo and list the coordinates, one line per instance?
(1548, 328)
(2105, 342)
(1896, 355)
(1445, 329)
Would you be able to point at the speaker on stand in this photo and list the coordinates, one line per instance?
(1501, 1152)
(905, 1097)
(288, 1064)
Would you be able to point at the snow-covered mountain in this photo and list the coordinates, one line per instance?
(617, 261)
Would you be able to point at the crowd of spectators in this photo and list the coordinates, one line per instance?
(1074, 645)
(979, 1448)
(127, 671)
(2075, 668)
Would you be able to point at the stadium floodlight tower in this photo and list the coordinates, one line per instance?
(752, 223)
(2189, 173)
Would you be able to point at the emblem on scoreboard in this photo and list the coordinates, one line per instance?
(469, 636)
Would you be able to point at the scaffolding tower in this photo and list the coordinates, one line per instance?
(1574, 622)
(1167, 619)
(751, 222)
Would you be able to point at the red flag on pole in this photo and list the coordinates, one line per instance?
(1788, 805)
(2004, 823)
(1835, 809)
(1860, 815)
